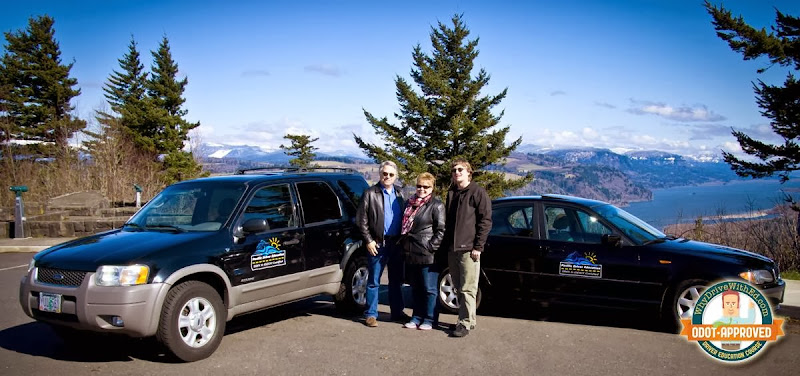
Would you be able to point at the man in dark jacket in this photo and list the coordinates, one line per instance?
(469, 220)
(378, 219)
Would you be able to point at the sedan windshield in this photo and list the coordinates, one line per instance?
(636, 229)
(196, 206)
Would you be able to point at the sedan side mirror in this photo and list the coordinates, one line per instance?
(611, 240)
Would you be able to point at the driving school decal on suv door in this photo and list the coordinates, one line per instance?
(268, 255)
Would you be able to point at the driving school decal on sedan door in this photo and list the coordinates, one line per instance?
(268, 255)
(581, 265)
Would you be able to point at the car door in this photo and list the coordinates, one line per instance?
(326, 226)
(272, 259)
(577, 267)
(512, 250)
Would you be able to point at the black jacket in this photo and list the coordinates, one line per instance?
(369, 216)
(426, 233)
(469, 218)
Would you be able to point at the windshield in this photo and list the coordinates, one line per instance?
(195, 206)
(636, 229)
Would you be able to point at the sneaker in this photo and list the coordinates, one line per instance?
(410, 325)
(425, 326)
(371, 322)
(461, 331)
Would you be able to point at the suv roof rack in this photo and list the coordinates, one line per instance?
(284, 169)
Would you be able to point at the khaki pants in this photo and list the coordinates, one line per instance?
(465, 272)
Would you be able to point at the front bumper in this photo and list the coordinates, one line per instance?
(775, 292)
(92, 307)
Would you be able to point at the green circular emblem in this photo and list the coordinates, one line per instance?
(732, 351)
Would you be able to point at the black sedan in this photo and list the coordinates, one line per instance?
(562, 249)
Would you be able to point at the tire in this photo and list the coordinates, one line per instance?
(681, 304)
(352, 295)
(192, 321)
(448, 298)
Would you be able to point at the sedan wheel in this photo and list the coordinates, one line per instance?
(686, 296)
(448, 298)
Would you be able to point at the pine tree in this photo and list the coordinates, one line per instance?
(781, 104)
(38, 88)
(447, 119)
(126, 93)
(301, 149)
(171, 129)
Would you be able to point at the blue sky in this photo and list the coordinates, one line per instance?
(624, 75)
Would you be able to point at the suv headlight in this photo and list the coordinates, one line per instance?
(758, 277)
(113, 275)
(31, 265)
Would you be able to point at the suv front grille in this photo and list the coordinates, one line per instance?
(60, 277)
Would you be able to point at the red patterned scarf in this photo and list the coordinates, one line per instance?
(412, 207)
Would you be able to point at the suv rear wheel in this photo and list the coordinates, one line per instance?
(352, 295)
(192, 321)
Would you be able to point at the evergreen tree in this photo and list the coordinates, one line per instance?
(447, 119)
(126, 93)
(37, 88)
(781, 104)
(166, 114)
(301, 149)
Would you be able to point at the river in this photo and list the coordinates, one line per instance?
(735, 200)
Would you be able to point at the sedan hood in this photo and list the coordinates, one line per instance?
(692, 247)
(116, 247)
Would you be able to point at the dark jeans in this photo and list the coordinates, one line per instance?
(390, 255)
(423, 280)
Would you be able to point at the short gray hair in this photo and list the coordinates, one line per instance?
(390, 164)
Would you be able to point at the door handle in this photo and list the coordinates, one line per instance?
(292, 242)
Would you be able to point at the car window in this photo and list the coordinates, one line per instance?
(512, 220)
(593, 230)
(319, 202)
(558, 224)
(273, 204)
(199, 206)
(574, 225)
(354, 189)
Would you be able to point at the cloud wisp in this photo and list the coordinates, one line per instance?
(680, 113)
(324, 69)
(255, 73)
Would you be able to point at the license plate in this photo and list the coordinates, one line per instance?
(49, 302)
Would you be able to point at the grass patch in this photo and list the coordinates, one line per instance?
(790, 274)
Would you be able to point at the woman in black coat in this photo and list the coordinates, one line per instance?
(422, 232)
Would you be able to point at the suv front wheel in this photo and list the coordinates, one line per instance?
(192, 321)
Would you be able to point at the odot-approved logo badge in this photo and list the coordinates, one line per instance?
(732, 322)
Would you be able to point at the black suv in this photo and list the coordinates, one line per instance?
(570, 250)
(203, 251)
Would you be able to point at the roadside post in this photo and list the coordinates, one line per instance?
(138, 190)
(19, 210)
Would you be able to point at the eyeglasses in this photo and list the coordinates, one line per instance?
(459, 169)
(389, 174)
(423, 186)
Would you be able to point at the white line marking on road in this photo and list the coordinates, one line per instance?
(13, 267)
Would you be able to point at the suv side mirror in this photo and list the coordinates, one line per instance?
(254, 225)
(611, 240)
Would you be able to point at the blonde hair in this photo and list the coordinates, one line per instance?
(426, 177)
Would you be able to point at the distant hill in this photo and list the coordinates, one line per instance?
(602, 174)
